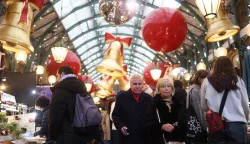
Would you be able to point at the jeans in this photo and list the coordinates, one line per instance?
(107, 142)
(234, 133)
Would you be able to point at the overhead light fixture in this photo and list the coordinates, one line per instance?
(59, 53)
(21, 56)
(201, 66)
(221, 52)
(208, 8)
(155, 72)
(52, 79)
(88, 84)
(39, 70)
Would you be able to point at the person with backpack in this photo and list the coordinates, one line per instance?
(196, 124)
(224, 97)
(66, 124)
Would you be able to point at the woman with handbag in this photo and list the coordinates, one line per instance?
(224, 95)
(196, 124)
(161, 121)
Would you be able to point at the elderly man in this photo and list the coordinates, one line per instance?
(130, 110)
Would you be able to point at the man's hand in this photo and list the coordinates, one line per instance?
(124, 131)
(167, 127)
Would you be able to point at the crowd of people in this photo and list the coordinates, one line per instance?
(168, 115)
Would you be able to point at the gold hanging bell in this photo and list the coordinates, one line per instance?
(124, 83)
(111, 63)
(221, 27)
(102, 93)
(15, 35)
(107, 84)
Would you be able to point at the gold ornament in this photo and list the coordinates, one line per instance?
(221, 27)
(111, 63)
(15, 35)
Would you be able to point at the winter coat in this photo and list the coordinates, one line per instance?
(130, 113)
(152, 126)
(106, 126)
(44, 125)
(180, 97)
(62, 112)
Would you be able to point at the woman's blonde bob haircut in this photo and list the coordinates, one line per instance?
(162, 82)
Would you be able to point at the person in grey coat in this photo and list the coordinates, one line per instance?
(194, 98)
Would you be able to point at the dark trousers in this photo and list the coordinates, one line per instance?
(115, 137)
(234, 133)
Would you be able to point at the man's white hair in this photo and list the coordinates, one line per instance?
(134, 76)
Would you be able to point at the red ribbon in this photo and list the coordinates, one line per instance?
(37, 4)
(110, 38)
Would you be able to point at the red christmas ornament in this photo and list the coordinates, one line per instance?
(71, 60)
(164, 29)
(147, 76)
(83, 78)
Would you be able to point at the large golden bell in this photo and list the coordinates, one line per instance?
(221, 27)
(111, 64)
(15, 35)
(107, 84)
(124, 83)
(102, 93)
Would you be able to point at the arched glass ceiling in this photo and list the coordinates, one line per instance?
(86, 29)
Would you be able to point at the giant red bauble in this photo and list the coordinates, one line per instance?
(83, 78)
(147, 76)
(71, 60)
(164, 29)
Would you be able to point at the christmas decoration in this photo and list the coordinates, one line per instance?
(71, 60)
(117, 12)
(164, 29)
(147, 75)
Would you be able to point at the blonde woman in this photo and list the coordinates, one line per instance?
(161, 122)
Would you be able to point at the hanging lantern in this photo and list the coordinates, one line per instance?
(71, 60)
(39, 70)
(147, 74)
(155, 72)
(221, 52)
(88, 84)
(21, 55)
(208, 8)
(59, 53)
(187, 76)
(96, 100)
(201, 66)
(221, 27)
(87, 80)
(52, 79)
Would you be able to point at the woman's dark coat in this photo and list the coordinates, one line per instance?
(62, 112)
(152, 127)
(129, 113)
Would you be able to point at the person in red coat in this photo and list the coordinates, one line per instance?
(129, 112)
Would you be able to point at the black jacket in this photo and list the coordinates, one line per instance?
(44, 123)
(180, 97)
(62, 112)
(129, 113)
(152, 127)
